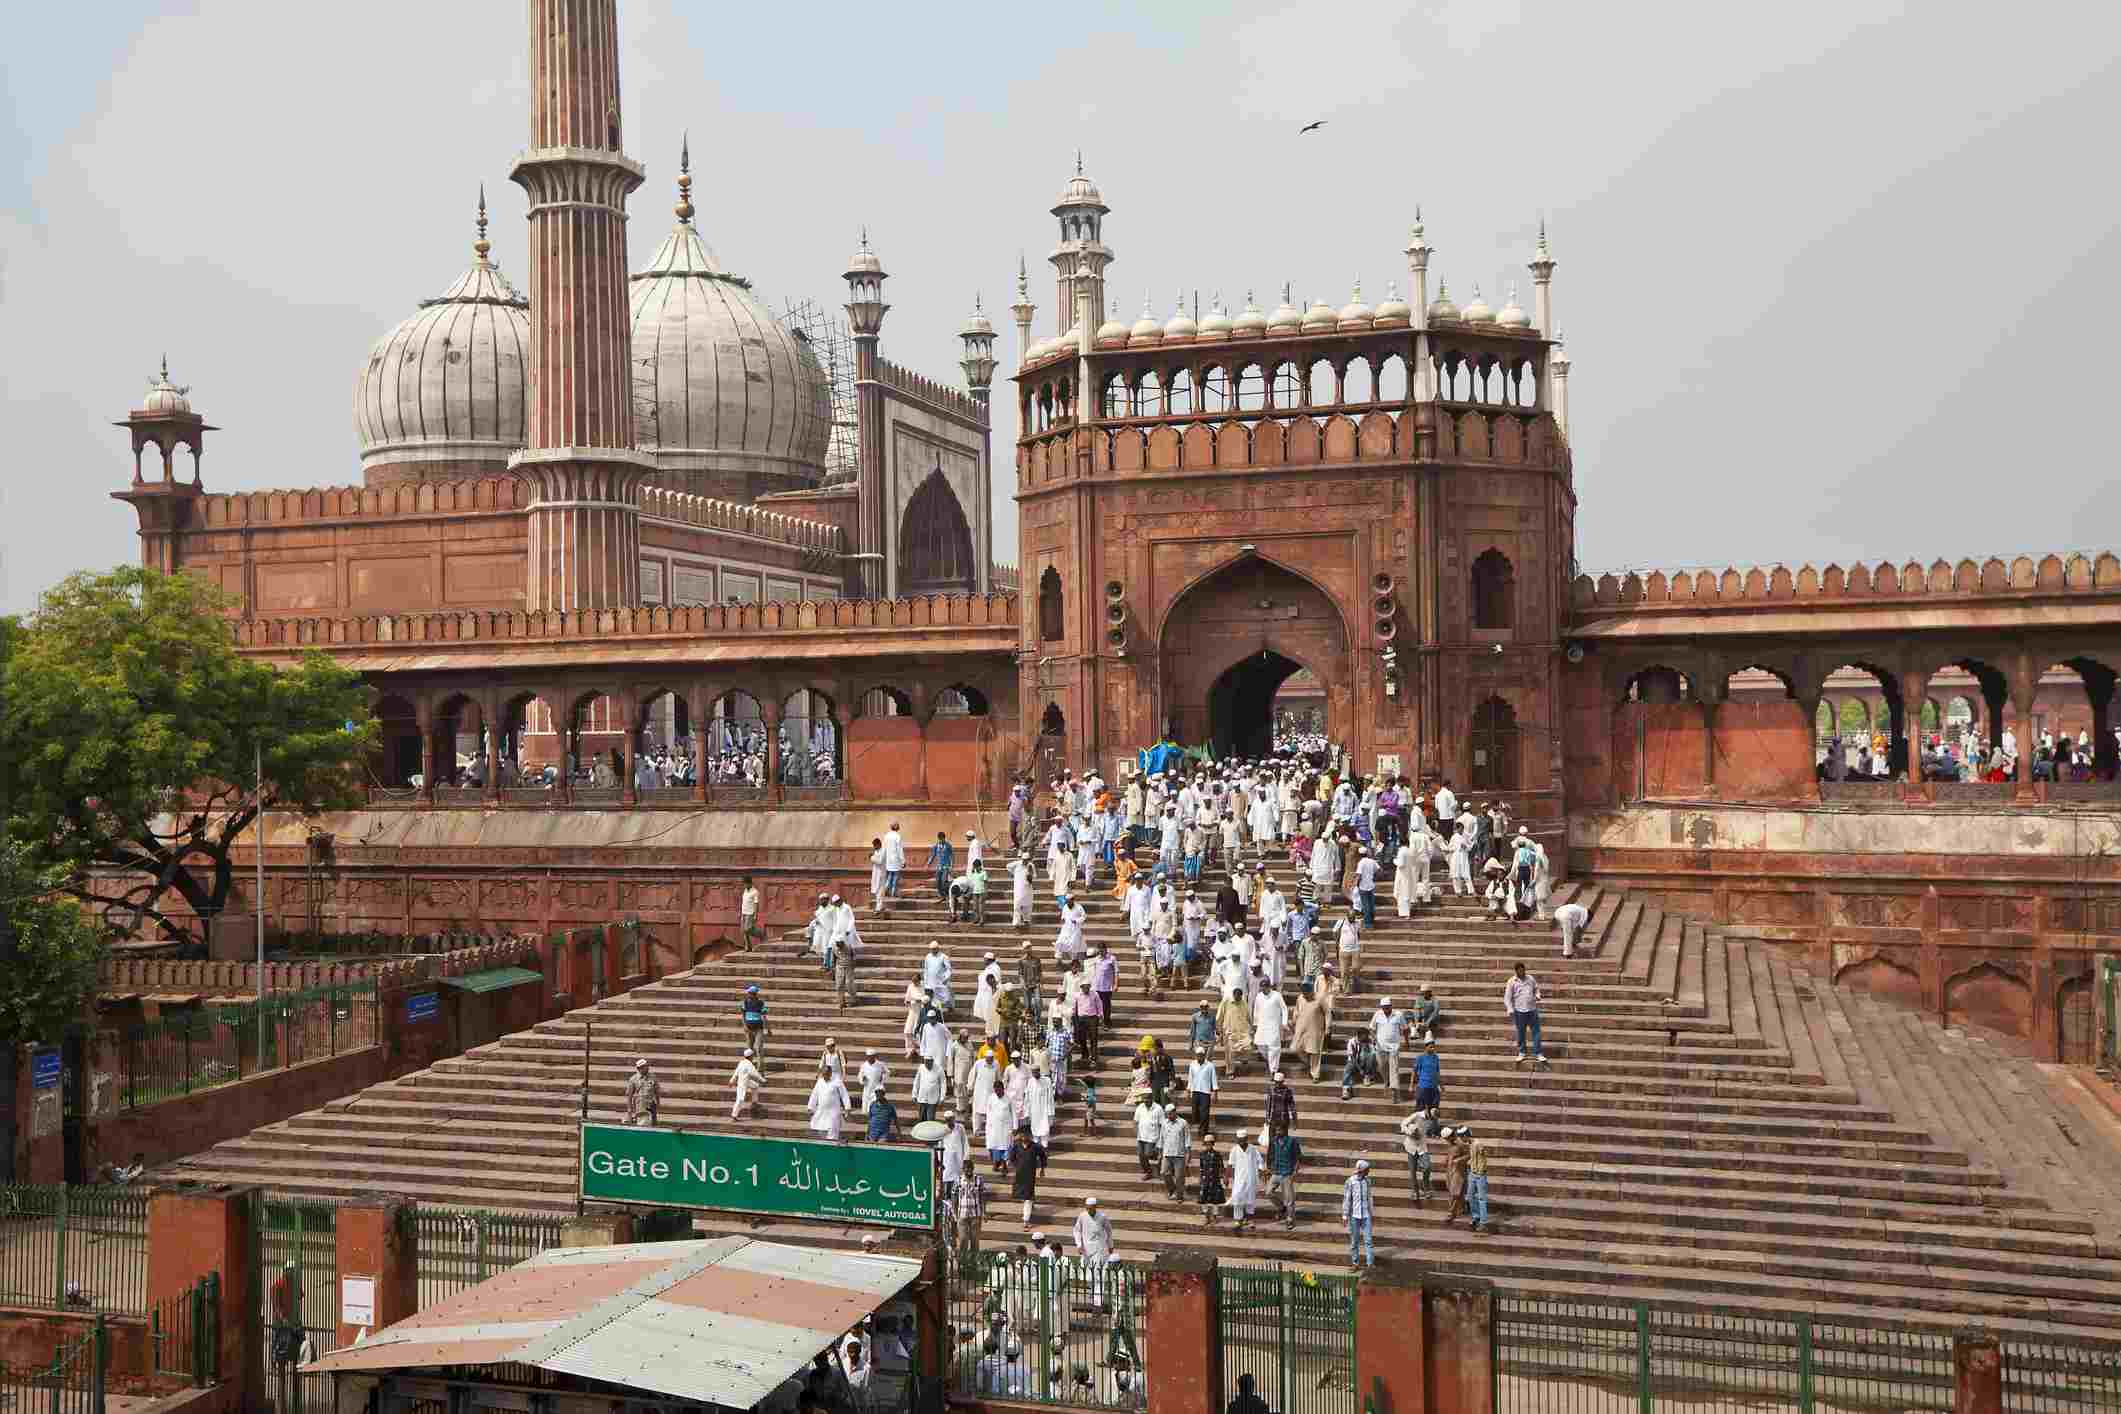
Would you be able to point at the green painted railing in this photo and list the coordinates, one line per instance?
(74, 1247)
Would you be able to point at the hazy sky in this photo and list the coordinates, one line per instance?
(1834, 273)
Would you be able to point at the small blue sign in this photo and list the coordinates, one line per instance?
(45, 1068)
(423, 1006)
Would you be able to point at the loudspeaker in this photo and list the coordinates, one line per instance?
(1384, 607)
(1116, 615)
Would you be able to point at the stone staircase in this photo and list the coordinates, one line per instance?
(1716, 1129)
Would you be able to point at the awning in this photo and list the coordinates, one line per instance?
(493, 979)
(723, 1321)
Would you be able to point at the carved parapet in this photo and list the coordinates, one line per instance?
(2076, 573)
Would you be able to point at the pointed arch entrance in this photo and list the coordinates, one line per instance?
(1232, 639)
(935, 541)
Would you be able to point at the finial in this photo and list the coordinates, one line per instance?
(165, 368)
(480, 246)
(1358, 292)
(1078, 162)
(975, 302)
(865, 235)
(684, 207)
(1286, 286)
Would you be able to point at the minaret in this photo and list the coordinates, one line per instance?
(1558, 361)
(865, 318)
(1542, 267)
(1023, 309)
(164, 420)
(1082, 255)
(1418, 249)
(579, 453)
(978, 362)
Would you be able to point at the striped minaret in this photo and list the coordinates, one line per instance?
(585, 520)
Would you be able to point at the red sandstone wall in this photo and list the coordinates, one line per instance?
(955, 760)
(884, 758)
(1764, 752)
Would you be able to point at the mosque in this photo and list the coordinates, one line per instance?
(604, 508)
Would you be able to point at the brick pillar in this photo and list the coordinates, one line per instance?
(1977, 1374)
(1391, 1348)
(932, 1338)
(193, 1231)
(1458, 1330)
(378, 1240)
(1183, 1325)
(597, 1230)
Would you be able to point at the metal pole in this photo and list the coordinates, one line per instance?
(257, 838)
(588, 1044)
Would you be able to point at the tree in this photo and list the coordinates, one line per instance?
(57, 951)
(131, 726)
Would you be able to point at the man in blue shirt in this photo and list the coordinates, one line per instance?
(1428, 1078)
(942, 858)
(883, 1120)
(1285, 1155)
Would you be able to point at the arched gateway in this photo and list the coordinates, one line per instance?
(1229, 643)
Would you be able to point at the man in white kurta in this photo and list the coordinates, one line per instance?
(894, 858)
(1068, 943)
(828, 1103)
(1040, 1099)
(873, 1074)
(956, 1147)
(1020, 891)
(928, 1087)
(747, 1082)
(983, 1077)
(1245, 1161)
(936, 973)
(990, 982)
(1093, 1247)
(1270, 1023)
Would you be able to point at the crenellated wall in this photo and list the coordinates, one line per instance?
(1712, 588)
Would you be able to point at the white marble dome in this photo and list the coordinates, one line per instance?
(1180, 326)
(1392, 311)
(164, 398)
(725, 388)
(1146, 330)
(1216, 324)
(1287, 317)
(1319, 316)
(1113, 330)
(1355, 314)
(1441, 307)
(444, 394)
(1513, 315)
(1478, 312)
(1251, 323)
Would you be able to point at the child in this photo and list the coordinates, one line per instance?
(1092, 1124)
(1163, 957)
(1212, 1192)
(1498, 890)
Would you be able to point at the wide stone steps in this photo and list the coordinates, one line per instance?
(1717, 1129)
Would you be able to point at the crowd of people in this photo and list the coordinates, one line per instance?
(993, 1058)
(1967, 757)
(732, 753)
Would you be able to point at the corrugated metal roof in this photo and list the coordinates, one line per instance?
(493, 979)
(723, 1321)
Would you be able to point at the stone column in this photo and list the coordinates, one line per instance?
(696, 702)
(193, 1231)
(1977, 1373)
(376, 1240)
(1708, 744)
(2022, 695)
(1183, 1325)
(1391, 1346)
(490, 721)
(772, 711)
(1914, 692)
(1459, 1332)
(630, 722)
(597, 1230)
(427, 757)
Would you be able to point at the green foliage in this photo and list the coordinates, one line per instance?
(50, 972)
(131, 724)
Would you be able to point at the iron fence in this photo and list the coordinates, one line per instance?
(185, 1331)
(199, 1048)
(298, 1297)
(74, 1247)
(71, 1384)
(2052, 1376)
(1569, 1357)
(1046, 1330)
(1291, 1332)
(460, 1248)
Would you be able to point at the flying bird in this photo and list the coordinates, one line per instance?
(1310, 127)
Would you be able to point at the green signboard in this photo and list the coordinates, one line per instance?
(890, 1184)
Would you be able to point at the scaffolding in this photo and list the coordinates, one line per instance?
(826, 334)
